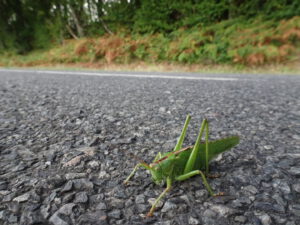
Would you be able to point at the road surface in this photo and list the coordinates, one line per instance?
(65, 138)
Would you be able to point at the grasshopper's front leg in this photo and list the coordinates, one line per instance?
(168, 188)
(132, 173)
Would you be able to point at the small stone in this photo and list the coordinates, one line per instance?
(140, 199)
(295, 171)
(2, 215)
(97, 218)
(241, 219)
(201, 195)
(71, 176)
(82, 184)
(117, 203)
(103, 174)
(22, 198)
(66, 210)
(192, 220)
(88, 151)
(101, 206)
(115, 214)
(68, 186)
(222, 210)
(250, 188)
(12, 219)
(3, 185)
(94, 164)
(295, 209)
(81, 197)
(45, 211)
(9, 197)
(162, 109)
(268, 147)
(74, 161)
(268, 207)
(282, 185)
(141, 208)
(95, 142)
(56, 220)
(168, 206)
(209, 213)
(297, 187)
(4, 192)
(265, 219)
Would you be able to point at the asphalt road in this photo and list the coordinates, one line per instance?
(65, 138)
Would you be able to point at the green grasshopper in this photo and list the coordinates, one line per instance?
(183, 163)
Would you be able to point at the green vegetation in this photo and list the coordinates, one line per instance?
(247, 33)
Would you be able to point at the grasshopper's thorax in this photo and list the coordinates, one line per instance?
(160, 171)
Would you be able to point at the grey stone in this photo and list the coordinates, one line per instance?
(82, 184)
(98, 217)
(168, 206)
(66, 210)
(140, 199)
(101, 206)
(282, 185)
(223, 210)
(297, 187)
(209, 213)
(81, 197)
(193, 220)
(241, 219)
(3, 185)
(268, 207)
(94, 164)
(295, 171)
(22, 198)
(250, 188)
(116, 214)
(68, 186)
(295, 209)
(265, 219)
(12, 218)
(71, 176)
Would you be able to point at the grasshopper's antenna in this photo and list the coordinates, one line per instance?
(146, 165)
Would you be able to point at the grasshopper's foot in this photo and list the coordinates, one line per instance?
(125, 182)
(149, 214)
(216, 175)
(219, 194)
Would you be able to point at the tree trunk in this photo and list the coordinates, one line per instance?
(77, 23)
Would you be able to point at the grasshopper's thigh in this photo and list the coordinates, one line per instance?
(193, 173)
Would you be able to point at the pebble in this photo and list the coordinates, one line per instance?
(297, 187)
(22, 198)
(193, 220)
(115, 214)
(168, 206)
(71, 176)
(81, 197)
(223, 210)
(295, 171)
(241, 219)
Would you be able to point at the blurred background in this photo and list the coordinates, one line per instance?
(186, 34)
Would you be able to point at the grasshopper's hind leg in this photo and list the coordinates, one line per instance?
(193, 173)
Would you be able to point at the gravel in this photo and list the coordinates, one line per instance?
(64, 143)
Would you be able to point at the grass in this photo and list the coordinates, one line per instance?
(230, 46)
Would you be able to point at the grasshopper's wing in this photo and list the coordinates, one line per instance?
(216, 148)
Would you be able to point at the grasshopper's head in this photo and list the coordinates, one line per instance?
(162, 169)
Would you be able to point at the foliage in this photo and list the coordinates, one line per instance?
(191, 31)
